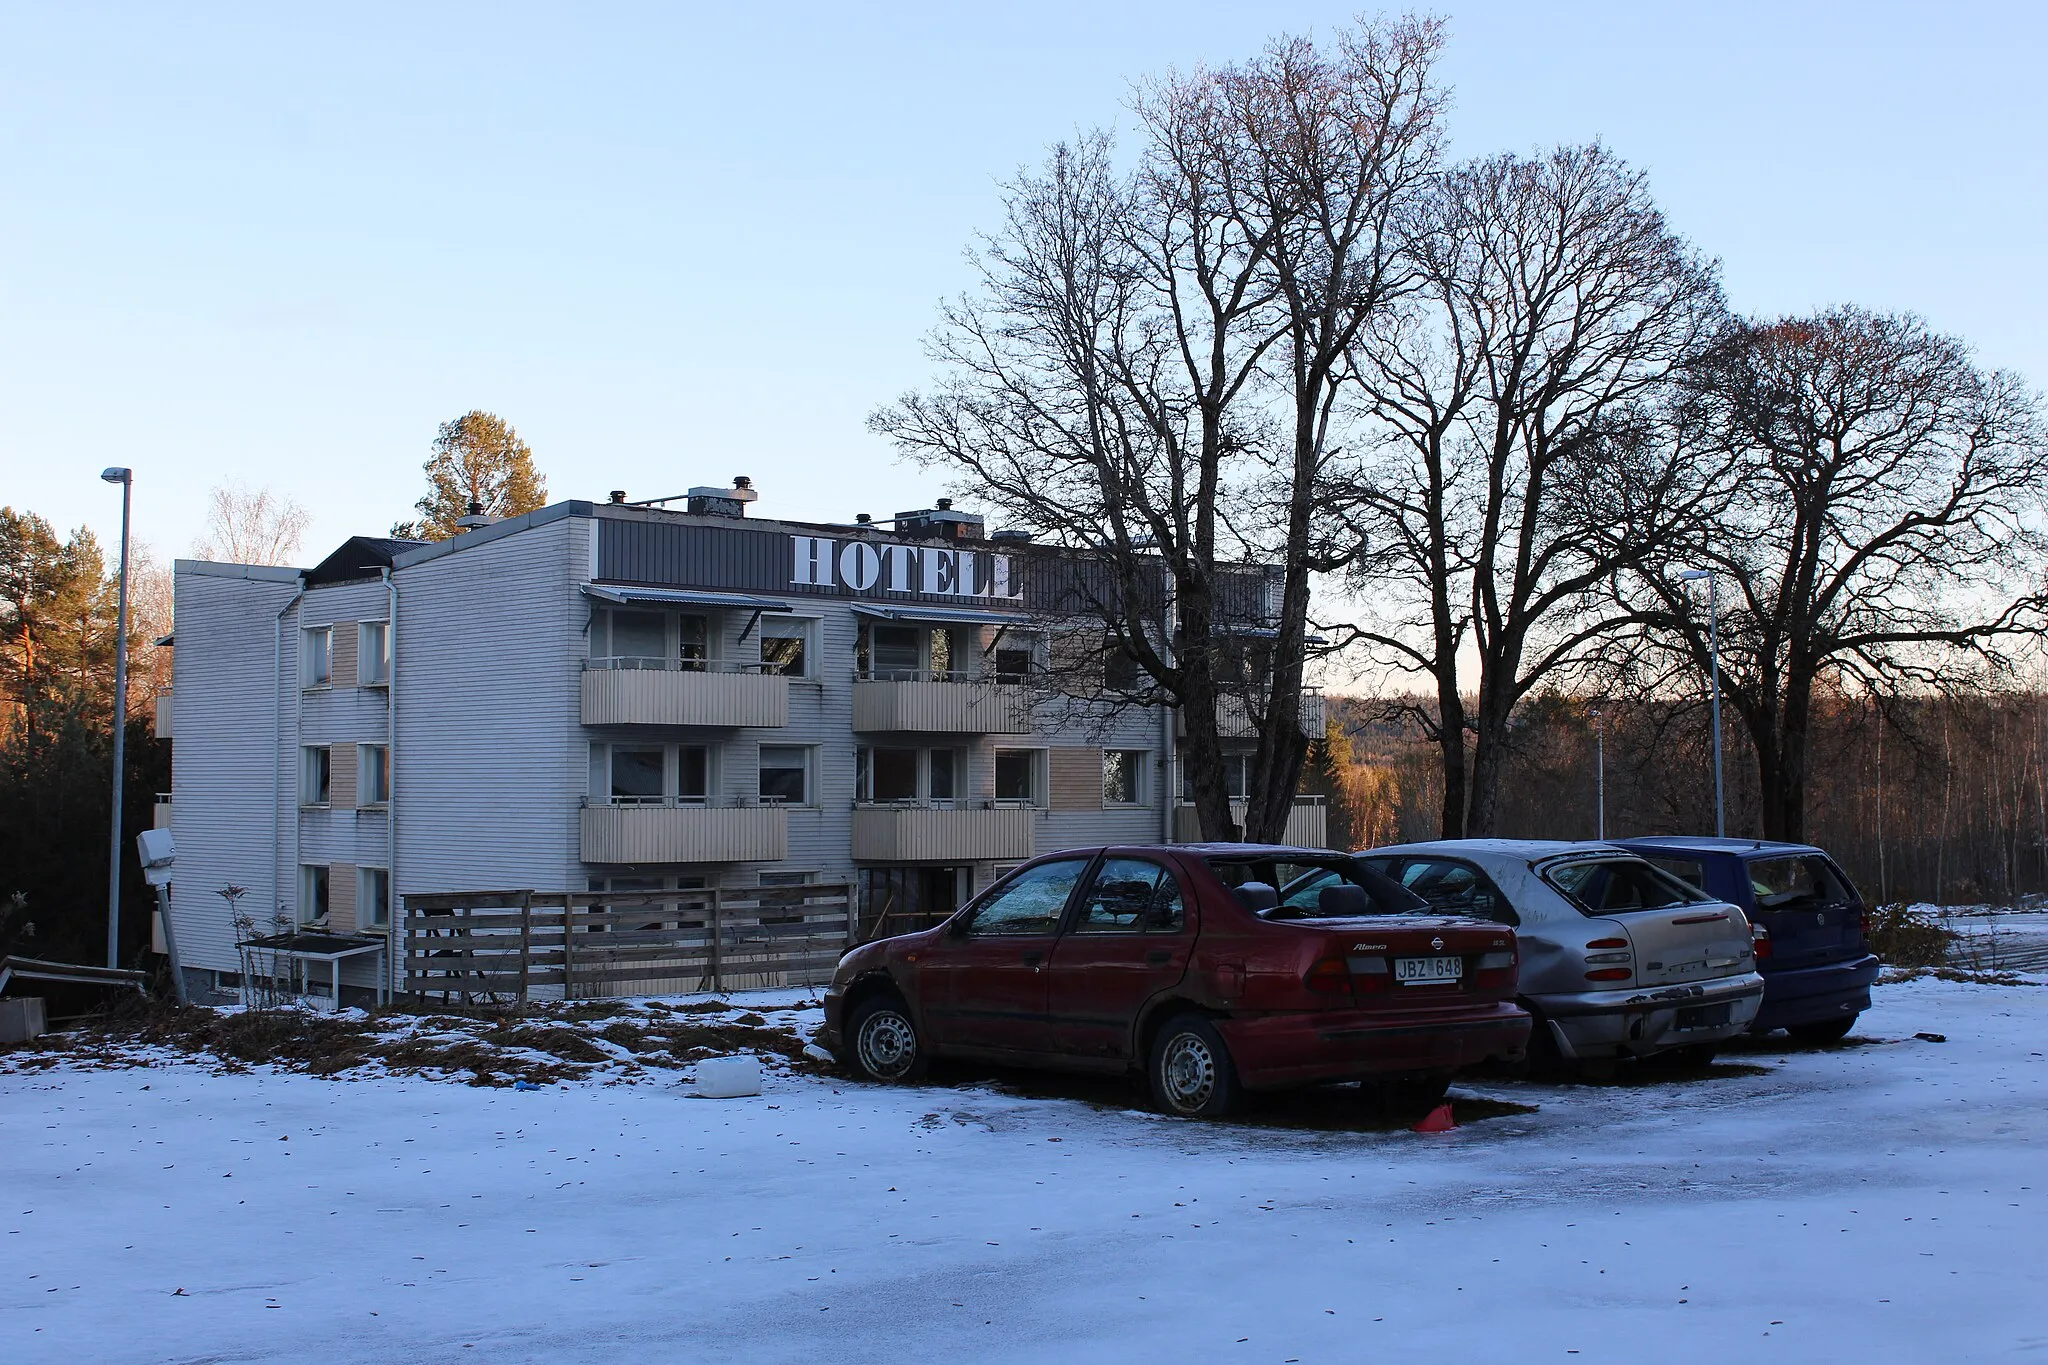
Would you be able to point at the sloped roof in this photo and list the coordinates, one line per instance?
(359, 557)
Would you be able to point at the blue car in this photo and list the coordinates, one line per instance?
(1814, 952)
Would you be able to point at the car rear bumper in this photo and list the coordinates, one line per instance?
(1815, 995)
(1641, 1020)
(1272, 1051)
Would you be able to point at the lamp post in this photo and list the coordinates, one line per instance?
(126, 478)
(1714, 657)
(1600, 774)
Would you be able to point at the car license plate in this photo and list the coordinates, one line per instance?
(1703, 1016)
(1425, 971)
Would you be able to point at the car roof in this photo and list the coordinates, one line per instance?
(1507, 848)
(1260, 850)
(1705, 843)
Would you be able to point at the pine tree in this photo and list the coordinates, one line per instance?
(478, 458)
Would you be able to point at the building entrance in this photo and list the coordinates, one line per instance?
(904, 899)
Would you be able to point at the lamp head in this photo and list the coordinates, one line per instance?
(1694, 575)
(117, 475)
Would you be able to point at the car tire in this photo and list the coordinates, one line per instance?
(882, 1041)
(1190, 1070)
(1830, 1031)
(1409, 1096)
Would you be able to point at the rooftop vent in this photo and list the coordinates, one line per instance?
(1012, 536)
(942, 522)
(618, 495)
(724, 502)
(863, 519)
(475, 520)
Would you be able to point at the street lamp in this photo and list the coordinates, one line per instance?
(126, 478)
(1714, 656)
(1600, 773)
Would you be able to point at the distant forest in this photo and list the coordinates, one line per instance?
(1937, 799)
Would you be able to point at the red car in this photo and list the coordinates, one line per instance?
(1218, 968)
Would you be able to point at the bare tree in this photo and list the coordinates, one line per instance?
(251, 526)
(1151, 367)
(1886, 537)
(1527, 457)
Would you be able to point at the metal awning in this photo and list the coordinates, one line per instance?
(627, 594)
(14, 969)
(966, 616)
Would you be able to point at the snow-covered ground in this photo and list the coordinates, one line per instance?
(1878, 1202)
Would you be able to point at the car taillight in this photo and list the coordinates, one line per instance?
(1370, 974)
(1614, 960)
(1863, 922)
(1494, 970)
(1759, 941)
(1491, 962)
(1331, 976)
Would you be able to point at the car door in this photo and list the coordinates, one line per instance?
(985, 981)
(1128, 938)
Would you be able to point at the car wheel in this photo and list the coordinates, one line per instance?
(1408, 1097)
(1191, 1072)
(1833, 1031)
(885, 1045)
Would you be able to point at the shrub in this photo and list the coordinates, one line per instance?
(1906, 936)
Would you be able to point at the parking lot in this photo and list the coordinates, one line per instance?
(1879, 1200)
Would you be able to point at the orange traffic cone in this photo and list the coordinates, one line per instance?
(1439, 1121)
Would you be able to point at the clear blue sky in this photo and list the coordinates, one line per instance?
(673, 243)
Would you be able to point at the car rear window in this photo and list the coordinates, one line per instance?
(1691, 871)
(1335, 887)
(1780, 883)
(1615, 886)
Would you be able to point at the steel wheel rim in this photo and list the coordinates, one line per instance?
(887, 1045)
(1188, 1072)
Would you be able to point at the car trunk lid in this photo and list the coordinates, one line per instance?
(1675, 933)
(1812, 914)
(1419, 960)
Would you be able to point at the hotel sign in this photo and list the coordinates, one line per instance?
(887, 566)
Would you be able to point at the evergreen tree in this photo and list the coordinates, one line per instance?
(478, 458)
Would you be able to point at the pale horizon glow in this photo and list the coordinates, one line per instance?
(674, 245)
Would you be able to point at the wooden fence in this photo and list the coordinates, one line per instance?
(511, 946)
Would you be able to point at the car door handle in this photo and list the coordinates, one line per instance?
(1035, 961)
(1158, 959)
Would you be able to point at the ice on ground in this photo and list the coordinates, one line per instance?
(1875, 1202)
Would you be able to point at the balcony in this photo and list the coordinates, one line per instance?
(1234, 718)
(162, 708)
(946, 834)
(163, 811)
(940, 703)
(716, 693)
(677, 832)
(1308, 824)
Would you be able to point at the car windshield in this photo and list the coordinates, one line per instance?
(1615, 886)
(1302, 886)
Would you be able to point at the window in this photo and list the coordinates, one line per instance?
(1783, 883)
(1237, 770)
(1119, 668)
(313, 898)
(639, 639)
(895, 653)
(373, 653)
(786, 646)
(1608, 886)
(637, 775)
(1452, 888)
(373, 774)
(1691, 871)
(1333, 887)
(1017, 775)
(1012, 664)
(788, 878)
(1030, 902)
(316, 775)
(1123, 780)
(785, 770)
(316, 657)
(888, 774)
(1131, 896)
(944, 773)
(693, 638)
(693, 773)
(373, 897)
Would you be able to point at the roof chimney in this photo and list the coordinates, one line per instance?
(475, 520)
(618, 495)
(724, 502)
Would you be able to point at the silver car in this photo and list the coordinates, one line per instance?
(1619, 958)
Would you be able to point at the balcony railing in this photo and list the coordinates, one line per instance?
(1234, 716)
(960, 833)
(939, 702)
(1308, 824)
(627, 690)
(654, 830)
(162, 819)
